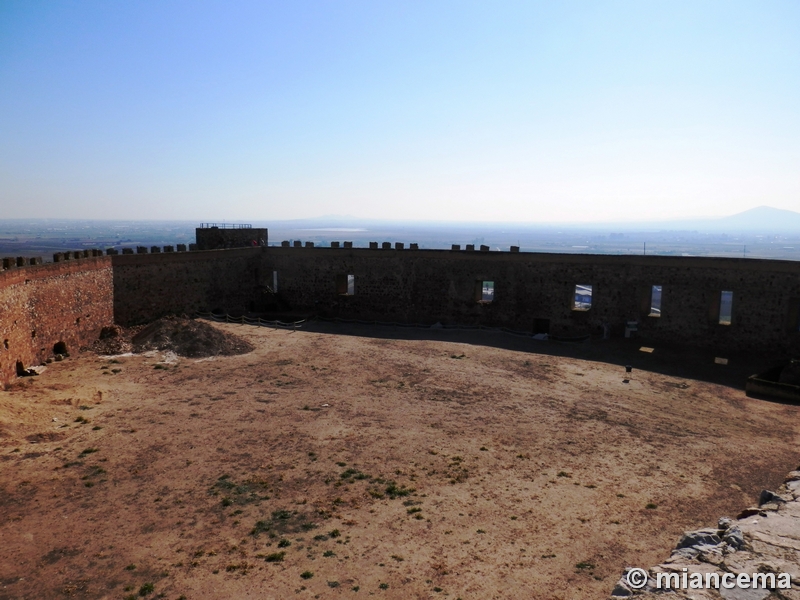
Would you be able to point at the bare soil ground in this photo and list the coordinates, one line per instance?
(327, 466)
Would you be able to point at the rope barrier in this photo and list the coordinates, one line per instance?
(258, 321)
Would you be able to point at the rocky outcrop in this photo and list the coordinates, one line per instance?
(764, 539)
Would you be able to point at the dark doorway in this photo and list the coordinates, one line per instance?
(59, 348)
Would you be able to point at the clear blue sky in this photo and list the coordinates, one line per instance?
(530, 111)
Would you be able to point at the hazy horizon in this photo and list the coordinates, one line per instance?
(762, 232)
(519, 112)
(752, 219)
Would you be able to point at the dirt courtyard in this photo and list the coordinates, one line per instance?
(327, 466)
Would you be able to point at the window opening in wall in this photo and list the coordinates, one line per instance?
(655, 301)
(485, 291)
(275, 282)
(346, 285)
(725, 307)
(583, 297)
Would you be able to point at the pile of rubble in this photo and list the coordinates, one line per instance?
(183, 336)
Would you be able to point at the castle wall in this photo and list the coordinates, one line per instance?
(71, 301)
(536, 289)
(42, 305)
(149, 286)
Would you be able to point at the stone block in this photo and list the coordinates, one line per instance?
(399, 245)
(470, 247)
(127, 250)
(298, 244)
(455, 247)
(348, 244)
(309, 244)
(181, 247)
(285, 244)
(169, 249)
(141, 249)
(484, 248)
(334, 244)
(155, 250)
(373, 245)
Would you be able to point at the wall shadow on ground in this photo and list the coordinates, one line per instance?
(672, 360)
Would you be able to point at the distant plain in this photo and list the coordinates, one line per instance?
(759, 233)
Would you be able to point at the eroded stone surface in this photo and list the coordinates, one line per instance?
(764, 540)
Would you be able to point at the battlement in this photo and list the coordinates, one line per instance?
(732, 304)
(728, 304)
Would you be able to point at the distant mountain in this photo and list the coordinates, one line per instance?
(762, 218)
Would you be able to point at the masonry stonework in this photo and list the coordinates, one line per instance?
(149, 286)
(70, 301)
(43, 305)
(531, 291)
(214, 237)
(427, 286)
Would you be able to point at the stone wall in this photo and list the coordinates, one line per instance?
(42, 305)
(218, 238)
(535, 291)
(148, 286)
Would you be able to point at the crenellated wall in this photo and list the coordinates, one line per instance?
(532, 291)
(42, 305)
(149, 286)
(536, 291)
(71, 300)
